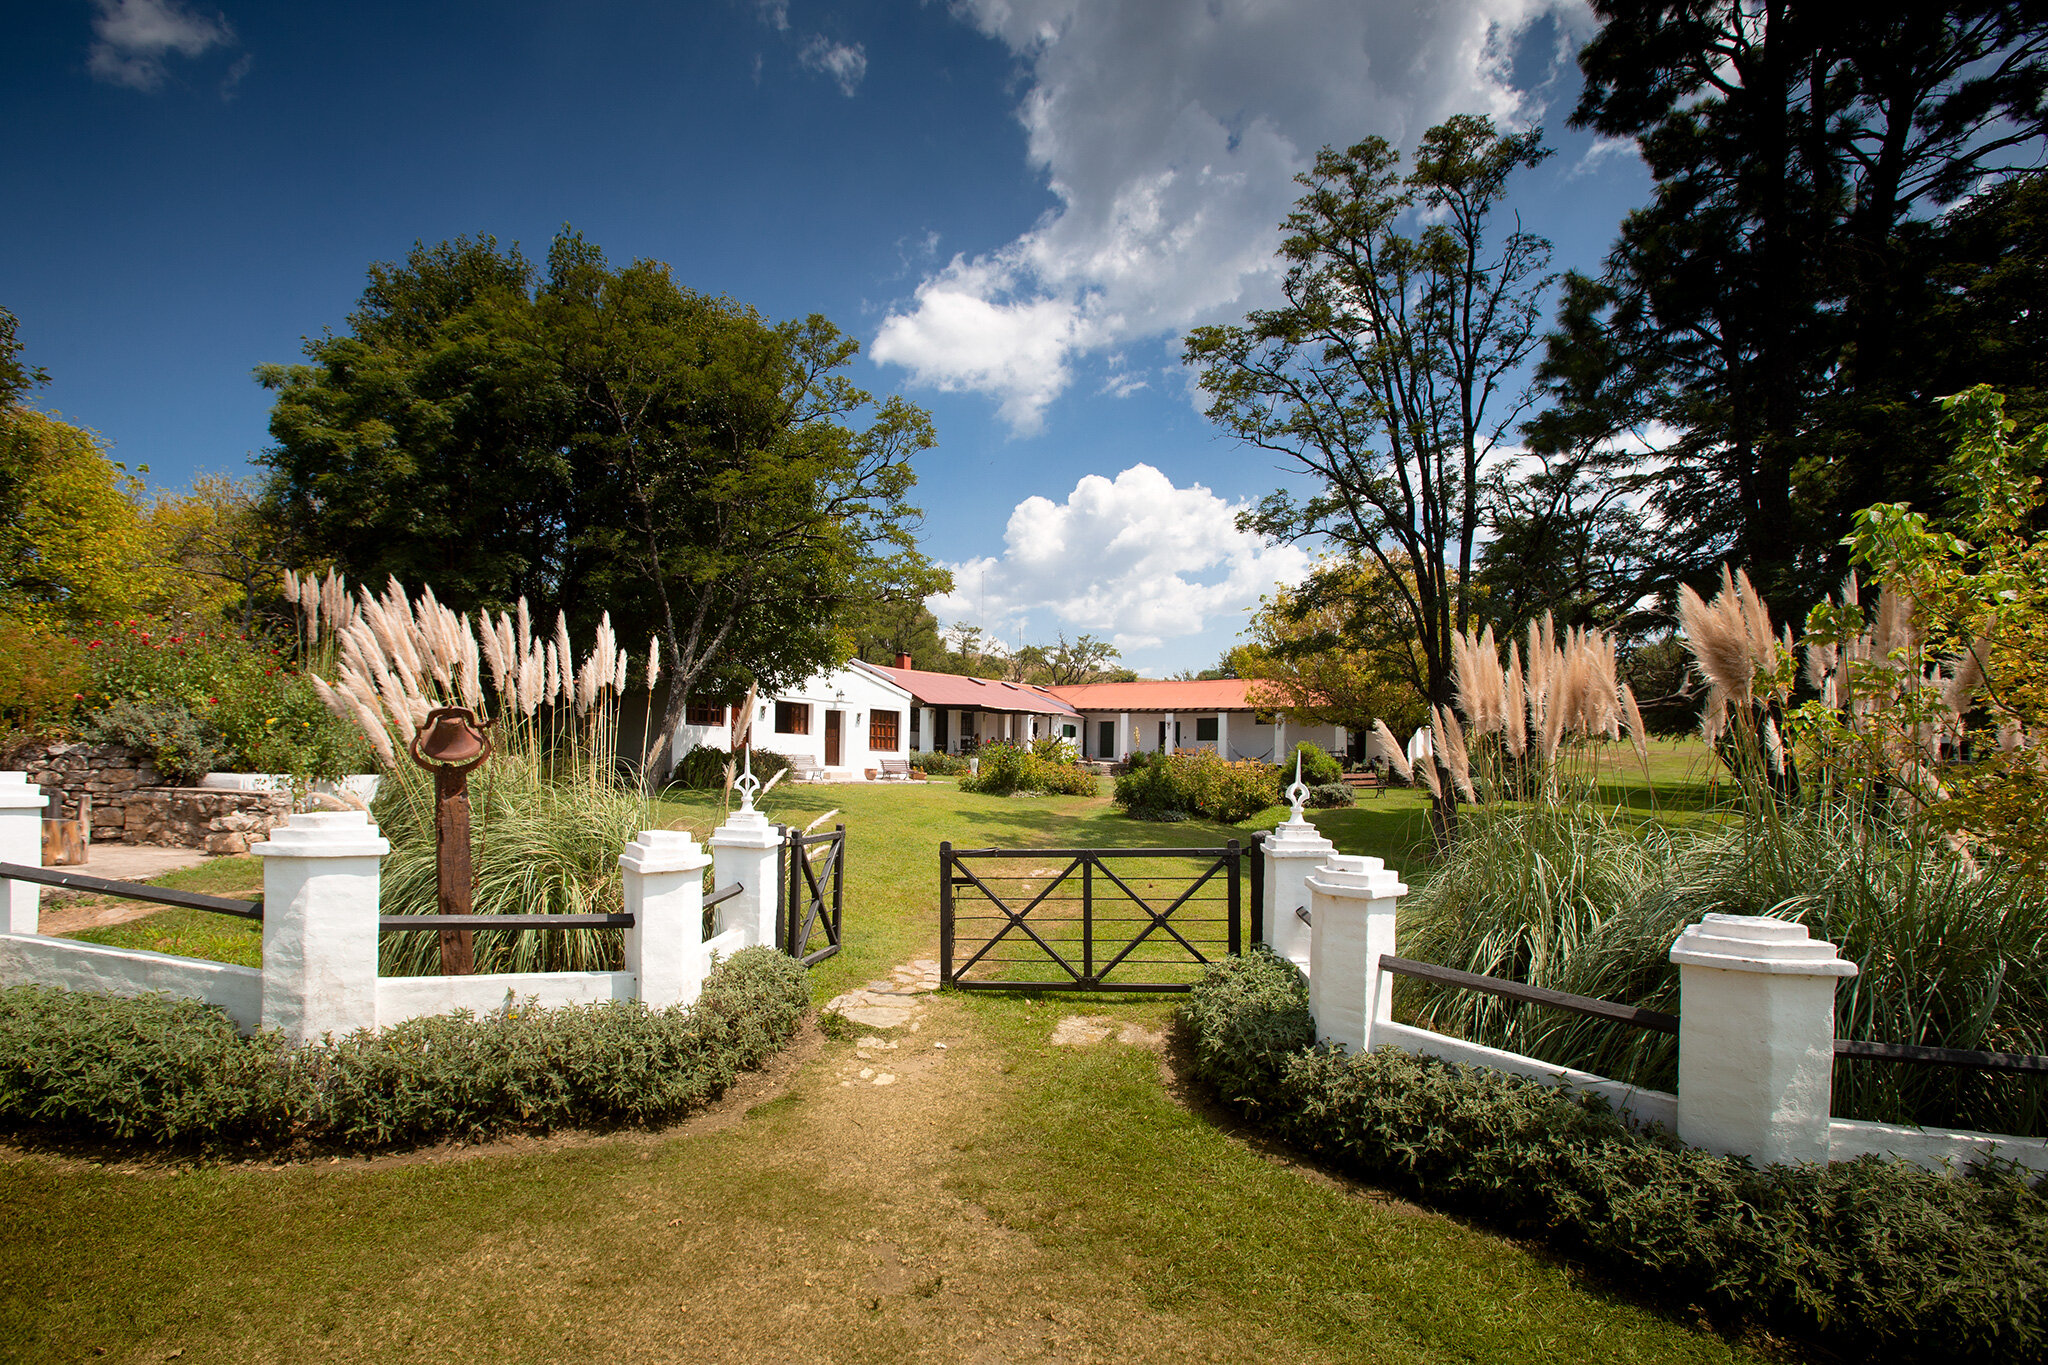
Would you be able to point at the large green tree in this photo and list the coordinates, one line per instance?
(602, 438)
(1392, 371)
(1767, 317)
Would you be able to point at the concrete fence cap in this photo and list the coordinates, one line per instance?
(664, 850)
(1758, 943)
(1351, 874)
(16, 791)
(324, 834)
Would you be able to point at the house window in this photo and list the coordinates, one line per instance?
(1205, 728)
(706, 713)
(792, 718)
(1067, 732)
(1105, 739)
(882, 731)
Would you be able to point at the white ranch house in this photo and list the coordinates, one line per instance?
(850, 720)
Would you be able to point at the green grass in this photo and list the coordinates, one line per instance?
(195, 933)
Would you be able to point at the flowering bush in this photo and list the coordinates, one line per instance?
(194, 699)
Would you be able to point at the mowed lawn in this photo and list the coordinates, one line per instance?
(1002, 1198)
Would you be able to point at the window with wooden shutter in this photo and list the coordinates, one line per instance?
(792, 718)
(883, 731)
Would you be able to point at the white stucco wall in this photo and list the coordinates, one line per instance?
(852, 692)
(32, 959)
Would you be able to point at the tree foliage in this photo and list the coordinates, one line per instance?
(1333, 651)
(72, 536)
(1978, 589)
(1391, 374)
(597, 437)
(1776, 304)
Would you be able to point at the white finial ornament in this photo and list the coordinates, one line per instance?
(748, 784)
(1297, 791)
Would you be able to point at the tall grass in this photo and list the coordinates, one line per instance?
(549, 811)
(543, 846)
(1581, 901)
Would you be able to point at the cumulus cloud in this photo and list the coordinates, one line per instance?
(1132, 558)
(133, 38)
(1170, 134)
(845, 63)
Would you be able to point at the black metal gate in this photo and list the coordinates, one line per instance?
(1089, 919)
(813, 877)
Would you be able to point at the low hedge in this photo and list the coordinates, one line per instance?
(1881, 1256)
(176, 1072)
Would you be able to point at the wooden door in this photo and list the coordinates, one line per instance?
(832, 722)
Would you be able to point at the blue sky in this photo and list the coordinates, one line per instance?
(1016, 206)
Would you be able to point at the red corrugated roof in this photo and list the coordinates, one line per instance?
(952, 690)
(1221, 694)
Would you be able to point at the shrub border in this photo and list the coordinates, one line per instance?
(176, 1073)
(1877, 1255)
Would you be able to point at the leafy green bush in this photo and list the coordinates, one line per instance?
(1006, 769)
(468, 1076)
(938, 764)
(177, 1072)
(1246, 1016)
(703, 768)
(1317, 767)
(1880, 1255)
(1329, 796)
(154, 1068)
(182, 744)
(1146, 784)
(1196, 783)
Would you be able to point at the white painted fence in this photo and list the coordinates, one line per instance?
(1756, 1041)
(320, 889)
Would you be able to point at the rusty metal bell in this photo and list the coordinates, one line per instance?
(452, 736)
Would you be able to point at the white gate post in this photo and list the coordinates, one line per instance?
(663, 875)
(21, 842)
(1756, 1037)
(1293, 851)
(1352, 902)
(320, 884)
(743, 850)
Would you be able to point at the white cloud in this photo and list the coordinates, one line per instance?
(845, 63)
(775, 14)
(1170, 134)
(1132, 558)
(132, 38)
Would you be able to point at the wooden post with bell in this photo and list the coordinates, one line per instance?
(449, 744)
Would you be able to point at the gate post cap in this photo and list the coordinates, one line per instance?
(324, 834)
(745, 829)
(663, 850)
(1758, 943)
(1350, 874)
(17, 792)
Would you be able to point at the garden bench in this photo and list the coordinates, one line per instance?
(806, 770)
(1366, 780)
(897, 770)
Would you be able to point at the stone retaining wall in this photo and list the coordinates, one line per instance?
(129, 807)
